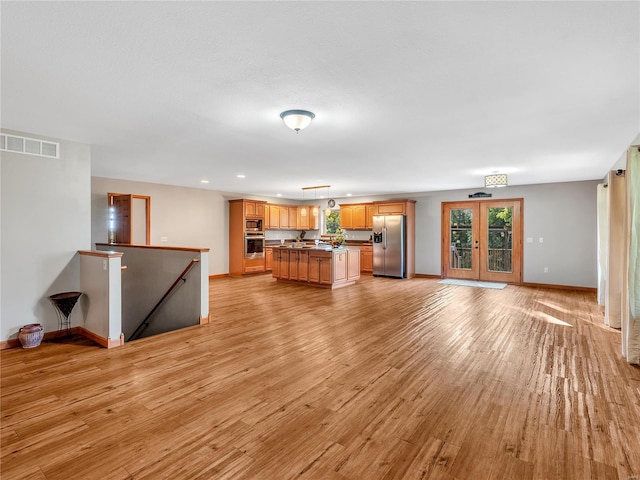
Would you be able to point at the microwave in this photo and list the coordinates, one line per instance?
(253, 225)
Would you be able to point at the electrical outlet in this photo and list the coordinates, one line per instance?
(541, 240)
(546, 269)
(529, 239)
(163, 239)
(104, 265)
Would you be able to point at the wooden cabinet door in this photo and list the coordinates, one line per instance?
(359, 217)
(303, 217)
(293, 217)
(273, 217)
(284, 217)
(275, 267)
(314, 214)
(294, 258)
(260, 209)
(371, 211)
(284, 264)
(353, 265)
(340, 267)
(314, 268)
(268, 259)
(325, 271)
(366, 259)
(391, 208)
(249, 209)
(346, 217)
(303, 266)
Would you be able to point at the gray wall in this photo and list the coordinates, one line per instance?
(187, 217)
(563, 214)
(45, 220)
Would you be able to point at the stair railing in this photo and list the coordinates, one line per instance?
(145, 323)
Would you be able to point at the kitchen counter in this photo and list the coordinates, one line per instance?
(316, 266)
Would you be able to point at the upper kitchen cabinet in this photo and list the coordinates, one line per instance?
(356, 216)
(370, 212)
(254, 208)
(308, 217)
(272, 216)
(304, 217)
(346, 217)
(394, 207)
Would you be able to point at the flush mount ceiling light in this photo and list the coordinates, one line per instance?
(495, 180)
(297, 119)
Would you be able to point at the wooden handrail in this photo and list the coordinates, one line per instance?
(145, 323)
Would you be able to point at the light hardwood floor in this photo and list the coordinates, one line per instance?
(387, 379)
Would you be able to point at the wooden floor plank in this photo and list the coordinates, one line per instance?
(386, 379)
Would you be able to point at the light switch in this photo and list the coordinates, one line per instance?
(104, 265)
(541, 240)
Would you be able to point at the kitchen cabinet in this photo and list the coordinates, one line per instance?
(238, 210)
(288, 217)
(308, 217)
(371, 211)
(314, 217)
(346, 217)
(366, 258)
(357, 216)
(391, 208)
(299, 265)
(316, 267)
(254, 209)
(284, 217)
(353, 265)
(340, 266)
(292, 213)
(282, 258)
(272, 219)
(268, 259)
(320, 267)
(275, 265)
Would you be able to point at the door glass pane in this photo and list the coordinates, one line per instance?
(500, 240)
(461, 235)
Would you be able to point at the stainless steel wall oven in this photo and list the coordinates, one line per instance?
(253, 245)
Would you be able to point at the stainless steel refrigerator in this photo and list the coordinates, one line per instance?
(389, 246)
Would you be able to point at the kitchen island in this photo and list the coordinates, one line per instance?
(316, 266)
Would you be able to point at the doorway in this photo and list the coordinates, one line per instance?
(129, 219)
(482, 240)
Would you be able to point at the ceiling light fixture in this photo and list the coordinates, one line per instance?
(495, 180)
(297, 119)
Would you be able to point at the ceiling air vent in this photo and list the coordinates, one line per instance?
(30, 146)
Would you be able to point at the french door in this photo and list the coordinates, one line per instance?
(482, 240)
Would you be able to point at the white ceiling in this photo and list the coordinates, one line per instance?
(408, 96)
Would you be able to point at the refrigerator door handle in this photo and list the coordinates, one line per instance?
(384, 237)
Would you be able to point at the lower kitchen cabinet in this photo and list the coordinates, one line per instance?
(316, 267)
(268, 259)
(366, 259)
